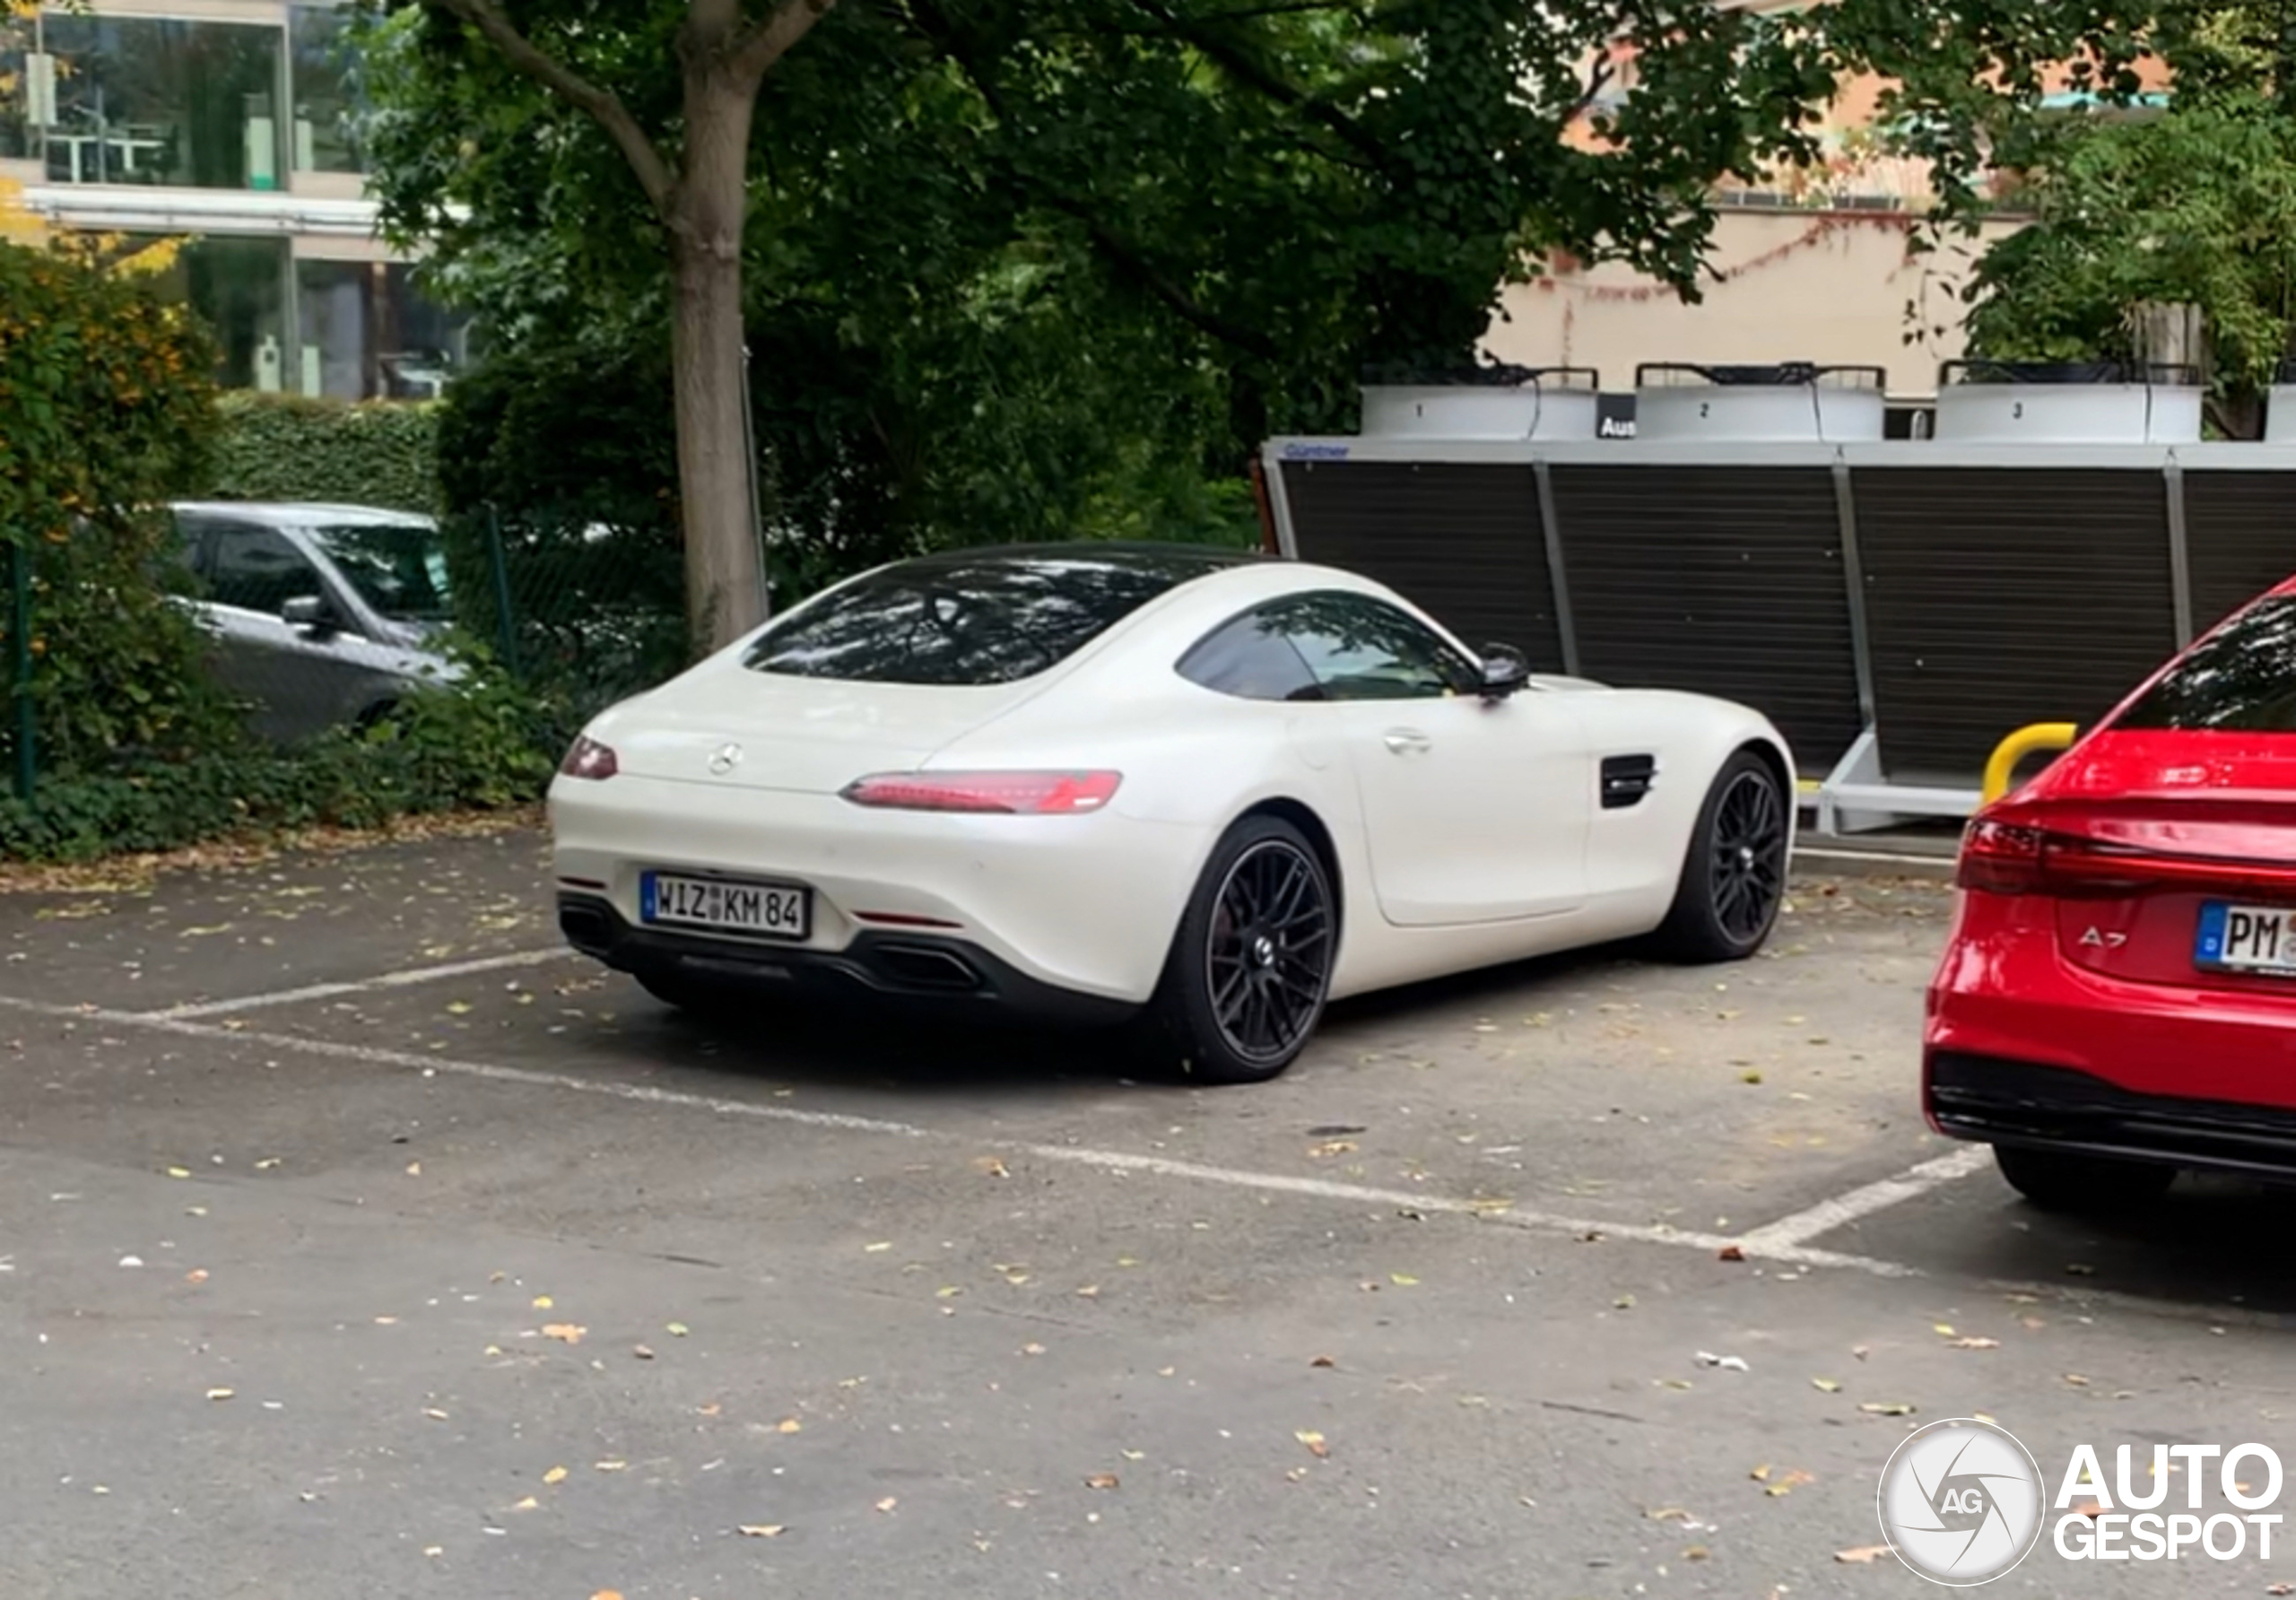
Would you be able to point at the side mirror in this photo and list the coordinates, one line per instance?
(309, 613)
(1505, 671)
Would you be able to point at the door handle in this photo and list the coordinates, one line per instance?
(1404, 741)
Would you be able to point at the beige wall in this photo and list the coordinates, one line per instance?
(1819, 286)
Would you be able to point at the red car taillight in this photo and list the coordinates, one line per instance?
(2000, 858)
(1038, 794)
(589, 759)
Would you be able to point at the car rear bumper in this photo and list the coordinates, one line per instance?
(919, 971)
(2014, 1102)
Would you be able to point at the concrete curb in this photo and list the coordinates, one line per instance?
(1834, 861)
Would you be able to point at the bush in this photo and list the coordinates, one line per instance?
(287, 447)
(482, 744)
(107, 409)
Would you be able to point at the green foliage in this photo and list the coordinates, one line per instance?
(1024, 270)
(477, 745)
(106, 410)
(289, 448)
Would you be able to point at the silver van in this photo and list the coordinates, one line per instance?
(324, 615)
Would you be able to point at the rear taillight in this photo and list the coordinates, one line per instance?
(589, 759)
(2000, 858)
(1035, 794)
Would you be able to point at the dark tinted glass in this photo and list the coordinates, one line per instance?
(982, 618)
(399, 569)
(257, 569)
(2241, 679)
(1360, 648)
(1250, 658)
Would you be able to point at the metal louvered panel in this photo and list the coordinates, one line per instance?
(2239, 538)
(1723, 579)
(1461, 540)
(1998, 596)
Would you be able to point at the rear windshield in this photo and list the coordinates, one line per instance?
(2241, 679)
(952, 620)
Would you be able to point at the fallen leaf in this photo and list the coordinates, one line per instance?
(1887, 1408)
(1332, 1147)
(1402, 1280)
(460, 1008)
(2076, 1381)
(1101, 1481)
(789, 1425)
(434, 1414)
(1860, 1350)
(1752, 1075)
(414, 1169)
(1943, 1330)
(1829, 1384)
(761, 1530)
(1625, 1302)
(527, 1504)
(878, 1248)
(642, 1351)
(197, 1274)
(1760, 1475)
(1314, 1441)
(543, 1302)
(992, 1167)
(1865, 1555)
(1323, 1360)
(888, 1503)
(1729, 1253)
(1031, 1350)
(2282, 1588)
(567, 1333)
(556, 1475)
(1975, 1344)
(179, 1172)
(441, 1550)
(221, 1394)
(677, 1330)
(610, 1466)
(1136, 1455)
(1090, 1291)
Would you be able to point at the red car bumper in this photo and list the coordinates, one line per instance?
(2023, 1047)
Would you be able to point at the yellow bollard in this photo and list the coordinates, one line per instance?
(2002, 765)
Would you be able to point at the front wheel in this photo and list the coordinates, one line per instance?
(1734, 875)
(1250, 965)
(2055, 1180)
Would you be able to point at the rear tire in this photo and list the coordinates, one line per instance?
(1733, 874)
(2056, 1181)
(1250, 965)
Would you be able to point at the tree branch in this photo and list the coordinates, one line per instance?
(759, 46)
(1257, 75)
(601, 105)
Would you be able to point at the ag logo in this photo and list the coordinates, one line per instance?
(1960, 1501)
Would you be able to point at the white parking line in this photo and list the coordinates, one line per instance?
(389, 981)
(1754, 1246)
(1842, 1210)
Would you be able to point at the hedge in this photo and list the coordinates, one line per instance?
(368, 452)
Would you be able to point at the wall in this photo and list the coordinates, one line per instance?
(1797, 285)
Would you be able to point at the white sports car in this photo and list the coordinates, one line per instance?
(1198, 790)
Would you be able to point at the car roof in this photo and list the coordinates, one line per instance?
(1140, 554)
(299, 513)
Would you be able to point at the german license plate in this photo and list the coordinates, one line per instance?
(725, 906)
(2247, 939)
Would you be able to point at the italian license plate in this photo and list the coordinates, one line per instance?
(2246, 939)
(725, 906)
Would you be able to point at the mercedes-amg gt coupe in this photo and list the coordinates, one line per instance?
(1198, 791)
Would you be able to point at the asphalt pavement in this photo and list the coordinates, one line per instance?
(354, 1241)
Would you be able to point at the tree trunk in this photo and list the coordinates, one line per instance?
(724, 568)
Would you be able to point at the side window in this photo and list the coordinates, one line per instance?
(257, 569)
(1362, 648)
(1249, 657)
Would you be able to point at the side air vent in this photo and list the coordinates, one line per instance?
(1626, 779)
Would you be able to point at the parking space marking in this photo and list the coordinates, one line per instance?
(401, 978)
(1785, 1251)
(1842, 1210)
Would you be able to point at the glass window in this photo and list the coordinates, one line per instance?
(326, 91)
(1251, 659)
(972, 617)
(398, 567)
(368, 334)
(15, 86)
(257, 569)
(145, 100)
(238, 288)
(1361, 649)
(2240, 679)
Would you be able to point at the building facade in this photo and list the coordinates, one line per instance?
(230, 125)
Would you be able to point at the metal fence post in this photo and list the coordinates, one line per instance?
(19, 585)
(506, 622)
